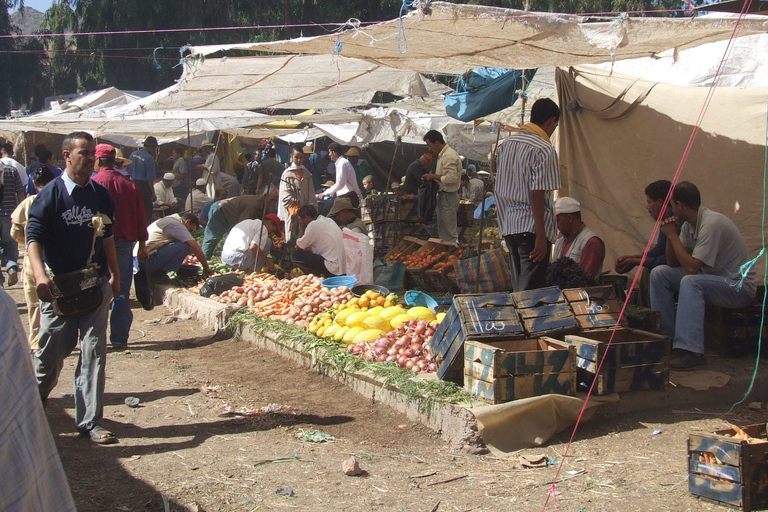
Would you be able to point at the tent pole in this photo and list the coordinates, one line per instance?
(482, 199)
(189, 167)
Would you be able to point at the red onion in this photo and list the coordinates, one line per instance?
(392, 351)
(409, 352)
(382, 358)
(402, 361)
(408, 364)
(377, 351)
(431, 367)
(420, 330)
(429, 332)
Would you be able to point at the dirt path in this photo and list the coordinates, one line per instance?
(180, 445)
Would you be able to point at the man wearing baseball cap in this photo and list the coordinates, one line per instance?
(578, 242)
(142, 172)
(130, 227)
(164, 192)
(248, 243)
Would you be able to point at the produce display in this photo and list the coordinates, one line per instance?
(491, 232)
(190, 260)
(424, 259)
(448, 263)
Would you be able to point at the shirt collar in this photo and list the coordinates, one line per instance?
(70, 185)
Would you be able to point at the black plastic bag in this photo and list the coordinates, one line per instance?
(427, 201)
(219, 284)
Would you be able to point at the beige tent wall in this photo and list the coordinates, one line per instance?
(630, 132)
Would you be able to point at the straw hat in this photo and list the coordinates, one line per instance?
(353, 152)
(307, 150)
(206, 142)
(342, 203)
(328, 183)
(120, 159)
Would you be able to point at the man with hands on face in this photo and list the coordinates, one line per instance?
(703, 267)
(60, 232)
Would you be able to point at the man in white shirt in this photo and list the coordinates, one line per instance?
(248, 243)
(346, 179)
(7, 159)
(164, 192)
(448, 176)
(211, 170)
(197, 199)
(321, 250)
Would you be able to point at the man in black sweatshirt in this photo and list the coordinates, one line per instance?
(60, 232)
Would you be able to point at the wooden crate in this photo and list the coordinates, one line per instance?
(729, 470)
(544, 312)
(735, 332)
(442, 281)
(483, 317)
(497, 372)
(596, 307)
(635, 360)
(418, 274)
(407, 246)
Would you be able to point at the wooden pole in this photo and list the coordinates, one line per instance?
(482, 200)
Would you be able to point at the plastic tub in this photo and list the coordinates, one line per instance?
(360, 289)
(335, 282)
(417, 298)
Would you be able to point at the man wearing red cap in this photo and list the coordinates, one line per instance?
(248, 243)
(130, 227)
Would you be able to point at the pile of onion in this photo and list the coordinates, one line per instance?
(407, 346)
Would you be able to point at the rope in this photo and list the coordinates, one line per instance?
(678, 172)
(748, 266)
(404, 8)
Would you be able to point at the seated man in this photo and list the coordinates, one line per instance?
(321, 250)
(248, 243)
(169, 242)
(578, 242)
(655, 194)
(197, 198)
(703, 267)
(346, 216)
(164, 192)
(230, 184)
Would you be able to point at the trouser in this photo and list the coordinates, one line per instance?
(58, 337)
(33, 308)
(447, 206)
(352, 195)
(122, 316)
(526, 274)
(686, 324)
(8, 246)
(215, 230)
(168, 258)
(291, 225)
(146, 194)
(310, 263)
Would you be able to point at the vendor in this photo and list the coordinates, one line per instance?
(321, 250)
(346, 216)
(169, 242)
(164, 192)
(296, 190)
(248, 243)
(578, 242)
(226, 213)
(198, 198)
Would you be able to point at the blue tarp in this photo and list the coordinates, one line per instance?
(484, 91)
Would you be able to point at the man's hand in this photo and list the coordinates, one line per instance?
(114, 281)
(44, 289)
(207, 271)
(270, 266)
(670, 226)
(625, 263)
(143, 254)
(430, 177)
(539, 251)
(320, 196)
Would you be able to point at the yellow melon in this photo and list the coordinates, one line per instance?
(422, 313)
(376, 322)
(391, 312)
(357, 319)
(331, 330)
(341, 316)
(369, 336)
(440, 317)
(400, 320)
(349, 337)
(376, 311)
(340, 333)
(321, 331)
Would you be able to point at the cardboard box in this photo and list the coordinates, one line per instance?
(634, 361)
(503, 371)
(729, 470)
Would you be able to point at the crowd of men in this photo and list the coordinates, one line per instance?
(92, 222)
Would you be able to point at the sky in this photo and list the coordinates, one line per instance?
(40, 5)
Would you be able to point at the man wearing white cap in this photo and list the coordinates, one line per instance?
(578, 242)
(164, 192)
(197, 199)
(211, 169)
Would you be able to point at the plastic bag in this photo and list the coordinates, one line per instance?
(427, 201)
(359, 249)
(219, 284)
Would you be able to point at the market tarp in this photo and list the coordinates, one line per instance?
(484, 91)
(619, 133)
(293, 81)
(452, 38)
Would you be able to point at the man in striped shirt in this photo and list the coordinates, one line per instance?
(528, 175)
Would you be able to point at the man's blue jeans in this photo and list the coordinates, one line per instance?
(686, 325)
(122, 317)
(215, 230)
(169, 257)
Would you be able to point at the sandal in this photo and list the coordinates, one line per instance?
(99, 435)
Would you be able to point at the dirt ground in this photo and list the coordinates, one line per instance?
(180, 450)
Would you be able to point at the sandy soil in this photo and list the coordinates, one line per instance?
(181, 447)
